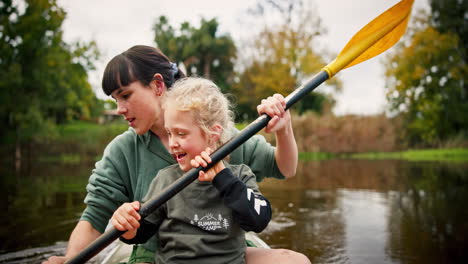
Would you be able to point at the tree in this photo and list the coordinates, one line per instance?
(282, 56)
(203, 50)
(43, 80)
(451, 16)
(426, 83)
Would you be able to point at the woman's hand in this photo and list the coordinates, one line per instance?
(274, 106)
(126, 218)
(203, 160)
(286, 153)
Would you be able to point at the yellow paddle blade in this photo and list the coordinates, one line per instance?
(374, 38)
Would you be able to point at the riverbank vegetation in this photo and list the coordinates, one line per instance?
(73, 142)
(449, 154)
(318, 138)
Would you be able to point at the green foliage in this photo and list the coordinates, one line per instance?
(281, 57)
(79, 141)
(81, 130)
(43, 80)
(203, 50)
(451, 16)
(426, 84)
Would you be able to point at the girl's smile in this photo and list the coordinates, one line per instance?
(179, 157)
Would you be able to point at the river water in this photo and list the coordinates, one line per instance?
(333, 211)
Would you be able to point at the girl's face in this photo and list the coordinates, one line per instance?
(140, 106)
(186, 138)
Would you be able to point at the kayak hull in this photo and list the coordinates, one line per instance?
(120, 252)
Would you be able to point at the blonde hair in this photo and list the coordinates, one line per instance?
(204, 100)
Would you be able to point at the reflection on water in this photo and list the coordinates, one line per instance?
(43, 202)
(430, 216)
(336, 211)
(366, 226)
(356, 211)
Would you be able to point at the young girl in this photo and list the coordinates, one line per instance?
(205, 222)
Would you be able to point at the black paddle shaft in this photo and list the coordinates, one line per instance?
(108, 237)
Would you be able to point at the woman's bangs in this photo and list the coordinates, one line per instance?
(118, 73)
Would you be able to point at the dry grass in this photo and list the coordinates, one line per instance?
(344, 134)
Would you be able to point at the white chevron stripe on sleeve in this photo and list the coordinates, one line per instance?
(258, 203)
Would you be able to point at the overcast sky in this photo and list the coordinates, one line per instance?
(118, 25)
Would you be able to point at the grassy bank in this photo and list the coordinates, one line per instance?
(80, 141)
(454, 154)
(316, 156)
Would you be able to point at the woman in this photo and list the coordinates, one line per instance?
(138, 80)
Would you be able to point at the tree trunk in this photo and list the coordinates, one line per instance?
(17, 154)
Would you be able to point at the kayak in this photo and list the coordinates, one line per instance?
(120, 252)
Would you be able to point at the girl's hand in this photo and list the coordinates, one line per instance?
(274, 107)
(203, 160)
(126, 218)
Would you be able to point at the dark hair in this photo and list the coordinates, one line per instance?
(139, 63)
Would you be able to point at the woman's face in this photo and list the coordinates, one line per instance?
(140, 106)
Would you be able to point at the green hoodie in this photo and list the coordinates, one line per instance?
(131, 161)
